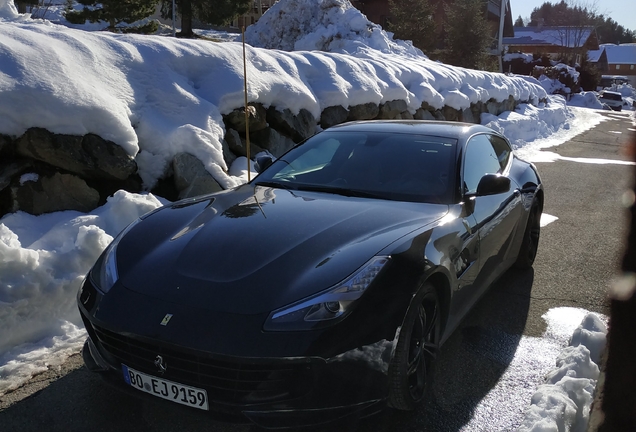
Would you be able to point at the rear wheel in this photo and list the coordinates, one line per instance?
(530, 243)
(411, 370)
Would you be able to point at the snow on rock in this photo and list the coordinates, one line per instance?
(158, 96)
(515, 125)
(323, 25)
(563, 402)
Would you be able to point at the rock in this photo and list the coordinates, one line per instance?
(56, 193)
(298, 127)
(12, 169)
(238, 145)
(477, 108)
(439, 115)
(392, 109)
(89, 156)
(191, 178)
(509, 104)
(406, 116)
(6, 144)
(365, 111)
(423, 114)
(467, 116)
(228, 156)
(450, 114)
(256, 114)
(492, 107)
(273, 141)
(333, 115)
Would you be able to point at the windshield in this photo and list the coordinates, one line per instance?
(401, 167)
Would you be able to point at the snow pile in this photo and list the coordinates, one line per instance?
(323, 25)
(43, 262)
(585, 100)
(546, 121)
(563, 402)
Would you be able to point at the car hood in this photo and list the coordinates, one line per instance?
(256, 249)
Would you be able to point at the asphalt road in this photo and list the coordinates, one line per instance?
(578, 257)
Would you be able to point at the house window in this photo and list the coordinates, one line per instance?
(631, 67)
(618, 67)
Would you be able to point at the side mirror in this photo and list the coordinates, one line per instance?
(262, 162)
(492, 184)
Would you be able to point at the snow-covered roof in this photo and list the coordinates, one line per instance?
(570, 37)
(620, 54)
(595, 55)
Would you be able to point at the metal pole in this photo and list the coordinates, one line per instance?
(247, 122)
(502, 20)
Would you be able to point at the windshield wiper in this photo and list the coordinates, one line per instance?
(341, 191)
(275, 185)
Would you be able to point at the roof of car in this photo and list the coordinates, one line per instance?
(611, 93)
(450, 129)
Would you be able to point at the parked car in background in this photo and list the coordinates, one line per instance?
(612, 99)
(323, 287)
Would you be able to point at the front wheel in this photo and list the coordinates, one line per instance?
(411, 370)
(530, 243)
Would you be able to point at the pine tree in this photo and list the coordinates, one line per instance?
(413, 20)
(467, 34)
(519, 22)
(215, 12)
(116, 13)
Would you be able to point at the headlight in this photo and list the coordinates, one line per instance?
(328, 306)
(104, 273)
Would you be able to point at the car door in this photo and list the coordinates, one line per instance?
(495, 216)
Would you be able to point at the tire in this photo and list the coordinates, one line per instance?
(530, 243)
(411, 370)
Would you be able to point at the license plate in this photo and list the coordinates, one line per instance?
(169, 390)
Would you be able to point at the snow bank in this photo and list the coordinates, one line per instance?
(158, 96)
(563, 402)
(548, 119)
(43, 262)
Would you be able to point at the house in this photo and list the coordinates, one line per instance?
(558, 41)
(621, 60)
(259, 7)
(599, 58)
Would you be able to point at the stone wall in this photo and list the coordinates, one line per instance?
(42, 172)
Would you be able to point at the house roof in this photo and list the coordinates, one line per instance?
(620, 54)
(570, 37)
(595, 55)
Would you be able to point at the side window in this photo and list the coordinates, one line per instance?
(480, 159)
(503, 150)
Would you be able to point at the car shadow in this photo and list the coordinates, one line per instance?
(471, 361)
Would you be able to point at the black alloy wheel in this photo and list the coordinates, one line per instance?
(530, 243)
(411, 370)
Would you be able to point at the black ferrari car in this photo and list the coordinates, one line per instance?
(322, 288)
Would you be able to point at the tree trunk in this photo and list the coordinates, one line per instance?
(186, 19)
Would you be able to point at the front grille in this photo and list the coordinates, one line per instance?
(227, 381)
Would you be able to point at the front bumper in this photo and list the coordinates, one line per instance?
(272, 392)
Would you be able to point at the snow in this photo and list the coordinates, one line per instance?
(157, 96)
(563, 402)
